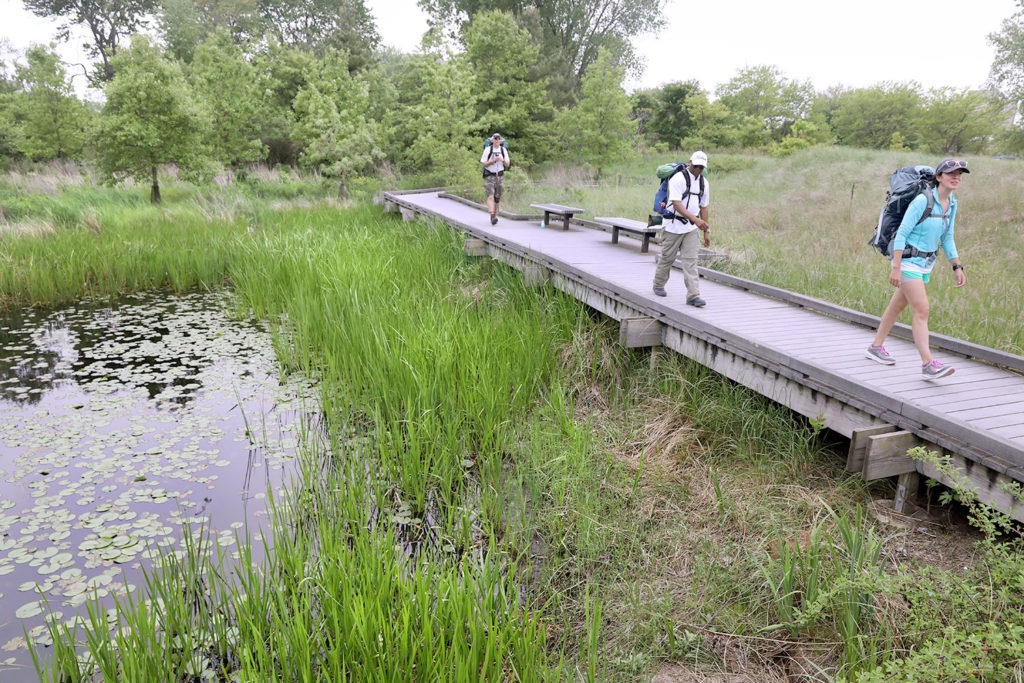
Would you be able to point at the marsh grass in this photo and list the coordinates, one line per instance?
(502, 492)
(427, 381)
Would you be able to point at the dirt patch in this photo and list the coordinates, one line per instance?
(674, 673)
(940, 537)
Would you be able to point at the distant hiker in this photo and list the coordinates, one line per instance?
(688, 197)
(494, 160)
(914, 250)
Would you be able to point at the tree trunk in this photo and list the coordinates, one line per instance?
(154, 192)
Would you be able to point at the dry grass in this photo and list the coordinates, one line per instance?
(802, 223)
(30, 227)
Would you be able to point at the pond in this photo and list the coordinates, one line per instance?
(120, 425)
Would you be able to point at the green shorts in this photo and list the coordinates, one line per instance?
(907, 276)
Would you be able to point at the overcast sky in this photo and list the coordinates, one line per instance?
(857, 44)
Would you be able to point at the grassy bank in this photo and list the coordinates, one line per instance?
(503, 493)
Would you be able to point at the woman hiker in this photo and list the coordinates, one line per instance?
(914, 250)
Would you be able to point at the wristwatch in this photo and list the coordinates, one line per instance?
(958, 266)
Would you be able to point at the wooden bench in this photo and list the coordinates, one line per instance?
(645, 230)
(549, 210)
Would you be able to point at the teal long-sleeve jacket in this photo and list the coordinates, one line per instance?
(927, 235)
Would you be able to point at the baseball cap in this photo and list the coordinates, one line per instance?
(701, 159)
(950, 165)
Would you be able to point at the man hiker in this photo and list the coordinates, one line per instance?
(688, 196)
(495, 160)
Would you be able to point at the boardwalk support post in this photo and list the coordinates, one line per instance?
(407, 214)
(473, 246)
(859, 446)
(906, 486)
(887, 455)
(639, 333)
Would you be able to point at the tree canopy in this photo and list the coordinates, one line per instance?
(110, 22)
(150, 119)
(598, 130)
(235, 82)
(49, 121)
(320, 26)
(231, 91)
(572, 33)
(510, 97)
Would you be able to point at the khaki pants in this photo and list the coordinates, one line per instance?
(685, 247)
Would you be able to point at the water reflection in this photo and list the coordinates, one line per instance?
(119, 424)
(137, 343)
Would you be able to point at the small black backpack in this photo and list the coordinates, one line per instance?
(904, 185)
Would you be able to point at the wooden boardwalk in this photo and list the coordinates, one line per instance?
(801, 352)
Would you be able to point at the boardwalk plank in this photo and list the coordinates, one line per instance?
(1014, 419)
(1014, 410)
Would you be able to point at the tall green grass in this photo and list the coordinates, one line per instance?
(388, 563)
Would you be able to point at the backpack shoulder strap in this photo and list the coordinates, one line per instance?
(929, 205)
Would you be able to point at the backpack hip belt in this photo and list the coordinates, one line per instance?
(911, 251)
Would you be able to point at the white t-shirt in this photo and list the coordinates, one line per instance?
(501, 153)
(692, 202)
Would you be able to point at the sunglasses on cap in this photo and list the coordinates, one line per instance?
(950, 165)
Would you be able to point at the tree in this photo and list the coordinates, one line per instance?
(231, 92)
(432, 125)
(763, 94)
(285, 71)
(331, 123)
(804, 133)
(7, 89)
(322, 26)
(51, 121)
(150, 119)
(1007, 69)
(672, 120)
(510, 99)
(185, 24)
(956, 122)
(1007, 73)
(599, 129)
(643, 104)
(712, 124)
(110, 22)
(575, 31)
(875, 117)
